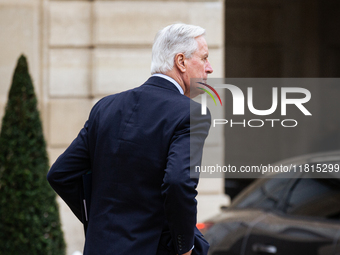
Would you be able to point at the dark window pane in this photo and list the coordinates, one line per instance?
(315, 197)
(266, 194)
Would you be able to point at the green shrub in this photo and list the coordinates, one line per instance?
(29, 216)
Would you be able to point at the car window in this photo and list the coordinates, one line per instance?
(315, 197)
(263, 194)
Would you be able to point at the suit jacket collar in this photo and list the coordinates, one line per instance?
(161, 82)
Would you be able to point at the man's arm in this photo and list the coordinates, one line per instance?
(65, 175)
(179, 189)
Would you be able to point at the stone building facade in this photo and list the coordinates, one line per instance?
(80, 50)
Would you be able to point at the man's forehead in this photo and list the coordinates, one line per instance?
(201, 39)
(204, 52)
(202, 44)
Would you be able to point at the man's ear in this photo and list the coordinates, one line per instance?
(180, 62)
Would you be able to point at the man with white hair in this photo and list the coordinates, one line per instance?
(140, 146)
(181, 53)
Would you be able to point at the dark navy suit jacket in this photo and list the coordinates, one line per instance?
(137, 145)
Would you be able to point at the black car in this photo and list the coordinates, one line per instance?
(295, 213)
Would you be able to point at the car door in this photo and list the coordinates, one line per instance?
(307, 222)
(228, 235)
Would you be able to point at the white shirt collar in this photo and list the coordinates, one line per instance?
(171, 80)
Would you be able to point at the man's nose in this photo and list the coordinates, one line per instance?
(208, 68)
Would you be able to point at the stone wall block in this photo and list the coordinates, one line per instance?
(209, 205)
(19, 34)
(134, 22)
(67, 117)
(117, 70)
(73, 229)
(70, 23)
(212, 155)
(54, 153)
(210, 186)
(69, 73)
(208, 15)
(131, 22)
(217, 132)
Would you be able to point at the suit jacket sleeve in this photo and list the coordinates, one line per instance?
(65, 175)
(179, 188)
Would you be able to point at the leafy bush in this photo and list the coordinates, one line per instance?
(29, 216)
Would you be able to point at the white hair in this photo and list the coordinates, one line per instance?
(171, 40)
